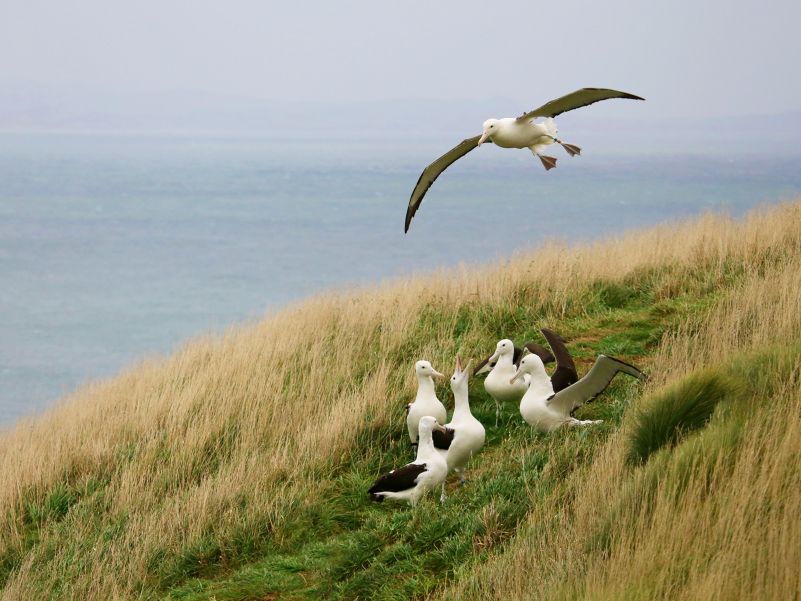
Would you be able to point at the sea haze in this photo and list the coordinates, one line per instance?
(116, 247)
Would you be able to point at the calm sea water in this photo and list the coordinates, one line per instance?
(113, 248)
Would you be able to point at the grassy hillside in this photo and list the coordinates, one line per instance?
(237, 468)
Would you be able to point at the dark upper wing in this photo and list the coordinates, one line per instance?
(431, 173)
(592, 384)
(539, 350)
(565, 373)
(483, 364)
(400, 479)
(443, 440)
(575, 100)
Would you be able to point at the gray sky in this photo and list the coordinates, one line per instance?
(699, 58)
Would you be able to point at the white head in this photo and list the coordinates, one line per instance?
(423, 368)
(532, 365)
(502, 348)
(460, 376)
(490, 129)
(427, 424)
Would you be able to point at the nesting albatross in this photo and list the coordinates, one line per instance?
(464, 435)
(511, 132)
(426, 401)
(413, 480)
(546, 410)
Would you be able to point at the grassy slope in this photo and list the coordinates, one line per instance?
(237, 468)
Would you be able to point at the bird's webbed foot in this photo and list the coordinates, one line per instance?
(571, 149)
(547, 162)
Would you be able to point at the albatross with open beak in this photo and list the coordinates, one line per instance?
(511, 132)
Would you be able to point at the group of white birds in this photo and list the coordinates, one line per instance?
(546, 401)
(515, 375)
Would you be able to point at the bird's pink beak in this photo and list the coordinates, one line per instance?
(483, 137)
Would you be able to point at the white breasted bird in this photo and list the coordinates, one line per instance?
(464, 435)
(515, 132)
(546, 410)
(413, 480)
(426, 401)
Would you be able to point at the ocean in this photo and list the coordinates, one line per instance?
(118, 247)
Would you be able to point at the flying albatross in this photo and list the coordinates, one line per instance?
(546, 410)
(413, 480)
(511, 132)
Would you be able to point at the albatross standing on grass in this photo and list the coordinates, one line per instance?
(511, 132)
(502, 365)
(413, 480)
(426, 401)
(464, 435)
(546, 410)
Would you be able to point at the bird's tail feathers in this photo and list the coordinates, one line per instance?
(550, 126)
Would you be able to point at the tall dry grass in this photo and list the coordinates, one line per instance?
(714, 519)
(230, 433)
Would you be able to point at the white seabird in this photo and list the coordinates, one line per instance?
(503, 364)
(413, 480)
(426, 401)
(511, 132)
(464, 435)
(546, 411)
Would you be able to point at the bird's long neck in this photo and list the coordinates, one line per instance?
(425, 386)
(425, 446)
(461, 404)
(505, 361)
(540, 382)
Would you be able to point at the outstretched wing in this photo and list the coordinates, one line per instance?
(565, 373)
(539, 350)
(398, 480)
(592, 384)
(575, 100)
(443, 440)
(485, 365)
(431, 173)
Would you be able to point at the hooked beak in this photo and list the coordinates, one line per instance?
(437, 374)
(516, 377)
(483, 137)
(441, 428)
(458, 368)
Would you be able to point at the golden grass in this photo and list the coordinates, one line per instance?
(231, 432)
(717, 518)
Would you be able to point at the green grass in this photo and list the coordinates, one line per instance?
(676, 412)
(349, 548)
(339, 545)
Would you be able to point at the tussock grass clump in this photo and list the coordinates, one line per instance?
(673, 413)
